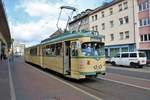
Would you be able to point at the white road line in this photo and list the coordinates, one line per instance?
(132, 77)
(131, 69)
(141, 87)
(78, 89)
(12, 89)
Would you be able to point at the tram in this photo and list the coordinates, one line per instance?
(77, 55)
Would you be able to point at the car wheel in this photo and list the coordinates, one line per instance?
(113, 63)
(133, 65)
(140, 66)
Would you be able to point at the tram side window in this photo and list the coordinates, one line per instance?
(74, 49)
(47, 50)
(33, 51)
(58, 49)
(44, 53)
(52, 48)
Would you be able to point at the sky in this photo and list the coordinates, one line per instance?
(31, 21)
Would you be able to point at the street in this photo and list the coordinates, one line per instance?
(32, 83)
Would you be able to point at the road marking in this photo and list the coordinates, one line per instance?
(78, 89)
(141, 87)
(130, 69)
(143, 79)
(12, 89)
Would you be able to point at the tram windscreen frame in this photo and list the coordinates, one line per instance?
(92, 49)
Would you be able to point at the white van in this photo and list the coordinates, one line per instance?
(133, 59)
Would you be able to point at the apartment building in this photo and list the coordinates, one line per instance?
(116, 21)
(124, 23)
(143, 29)
(5, 38)
(80, 22)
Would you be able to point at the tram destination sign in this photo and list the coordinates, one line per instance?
(96, 39)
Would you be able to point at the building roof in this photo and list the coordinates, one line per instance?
(106, 5)
(4, 28)
(82, 15)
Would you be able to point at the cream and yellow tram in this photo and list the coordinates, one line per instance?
(76, 55)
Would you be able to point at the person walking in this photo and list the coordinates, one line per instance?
(3, 56)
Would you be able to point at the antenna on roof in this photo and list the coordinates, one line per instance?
(69, 17)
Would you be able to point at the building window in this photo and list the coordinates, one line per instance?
(141, 38)
(112, 37)
(111, 24)
(147, 5)
(149, 37)
(125, 5)
(126, 19)
(149, 21)
(121, 35)
(92, 18)
(93, 28)
(95, 17)
(102, 14)
(96, 28)
(111, 11)
(120, 7)
(127, 34)
(124, 49)
(145, 37)
(121, 21)
(140, 7)
(103, 26)
(144, 6)
(145, 21)
(140, 22)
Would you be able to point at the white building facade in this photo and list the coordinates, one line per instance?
(116, 21)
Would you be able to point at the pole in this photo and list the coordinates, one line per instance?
(12, 41)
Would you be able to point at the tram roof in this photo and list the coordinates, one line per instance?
(68, 35)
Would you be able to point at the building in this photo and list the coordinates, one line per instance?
(5, 38)
(124, 23)
(143, 29)
(18, 49)
(80, 22)
(116, 21)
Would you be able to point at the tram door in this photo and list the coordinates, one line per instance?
(67, 59)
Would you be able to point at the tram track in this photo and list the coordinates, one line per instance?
(109, 90)
(105, 89)
(94, 88)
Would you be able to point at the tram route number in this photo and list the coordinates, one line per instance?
(97, 67)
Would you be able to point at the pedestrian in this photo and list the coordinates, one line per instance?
(3, 55)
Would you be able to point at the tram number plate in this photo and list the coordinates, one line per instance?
(97, 67)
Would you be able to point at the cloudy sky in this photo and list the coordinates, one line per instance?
(31, 21)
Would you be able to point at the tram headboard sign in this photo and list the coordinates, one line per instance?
(96, 39)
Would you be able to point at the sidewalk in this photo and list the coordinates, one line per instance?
(4, 81)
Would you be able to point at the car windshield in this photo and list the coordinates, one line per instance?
(142, 55)
(93, 49)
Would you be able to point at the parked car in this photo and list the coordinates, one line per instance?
(108, 59)
(134, 59)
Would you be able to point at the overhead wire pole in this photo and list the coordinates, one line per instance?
(59, 18)
(69, 18)
(65, 7)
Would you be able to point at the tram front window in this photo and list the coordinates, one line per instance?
(92, 49)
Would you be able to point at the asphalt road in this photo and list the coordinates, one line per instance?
(32, 83)
(127, 71)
